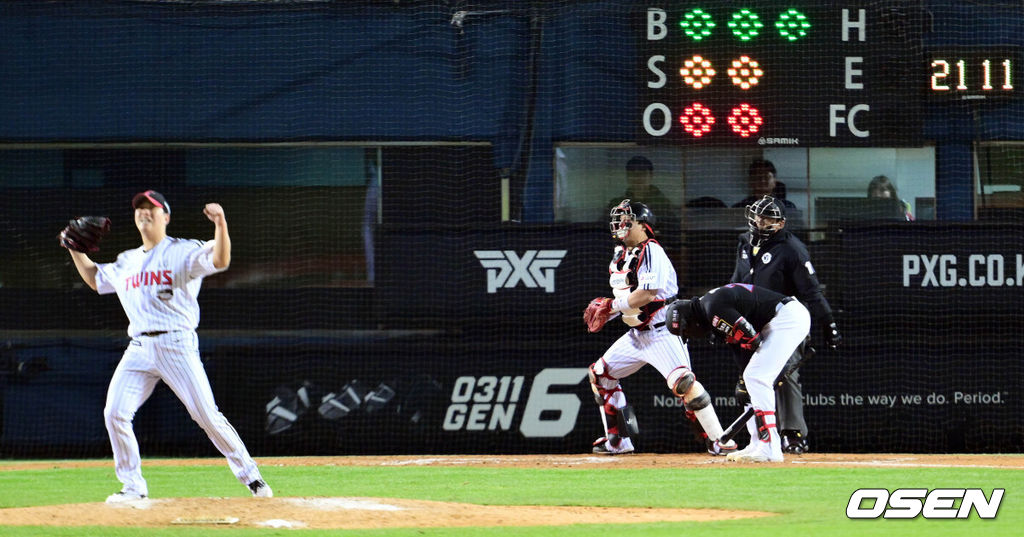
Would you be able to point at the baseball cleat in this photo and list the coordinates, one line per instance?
(756, 452)
(260, 489)
(794, 443)
(718, 449)
(603, 447)
(751, 448)
(123, 497)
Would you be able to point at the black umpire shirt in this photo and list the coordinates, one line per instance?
(783, 265)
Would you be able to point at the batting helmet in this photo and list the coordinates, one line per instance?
(637, 212)
(683, 318)
(765, 217)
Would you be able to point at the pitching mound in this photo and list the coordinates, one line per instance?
(342, 513)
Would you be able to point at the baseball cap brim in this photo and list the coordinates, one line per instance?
(154, 197)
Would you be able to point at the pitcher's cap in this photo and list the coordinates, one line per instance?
(154, 197)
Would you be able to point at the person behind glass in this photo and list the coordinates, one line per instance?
(640, 187)
(771, 257)
(881, 187)
(761, 181)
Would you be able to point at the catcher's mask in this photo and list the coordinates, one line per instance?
(765, 217)
(635, 212)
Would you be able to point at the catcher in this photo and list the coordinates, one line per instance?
(642, 278)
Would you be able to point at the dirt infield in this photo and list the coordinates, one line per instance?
(361, 513)
(342, 513)
(646, 460)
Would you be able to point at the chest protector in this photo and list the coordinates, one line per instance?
(622, 278)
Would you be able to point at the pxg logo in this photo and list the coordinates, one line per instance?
(505, 269)
(909, 503)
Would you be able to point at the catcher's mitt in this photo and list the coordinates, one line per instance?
(597, 313)
(84, 233)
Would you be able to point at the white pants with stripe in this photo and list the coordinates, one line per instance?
(637, 348)
(782, 335)
(173, 358)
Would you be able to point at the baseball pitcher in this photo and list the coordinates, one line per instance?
(157, 284)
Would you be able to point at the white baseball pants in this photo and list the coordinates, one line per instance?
(782, 335)
(637, 348)
(174, 358)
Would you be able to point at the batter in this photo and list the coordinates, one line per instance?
(158, 284)
(767, 324)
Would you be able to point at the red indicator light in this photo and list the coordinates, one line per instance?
(697, 120)
(745, 120)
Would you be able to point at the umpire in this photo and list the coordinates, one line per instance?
(770, 256)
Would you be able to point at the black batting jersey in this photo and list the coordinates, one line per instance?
(783, 265)
(722, 306)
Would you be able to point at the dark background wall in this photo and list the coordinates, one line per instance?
(521, 75)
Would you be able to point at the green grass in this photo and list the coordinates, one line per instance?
(811, 501)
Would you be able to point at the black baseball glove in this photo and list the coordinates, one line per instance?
(84, 233)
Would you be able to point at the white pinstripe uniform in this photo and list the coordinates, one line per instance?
(158, 290)
(649, 343)
(646, 344)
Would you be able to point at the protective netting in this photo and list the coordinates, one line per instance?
(418, 195)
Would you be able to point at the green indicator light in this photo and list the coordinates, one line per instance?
(745, 24)
(697, 24)
(792, 25)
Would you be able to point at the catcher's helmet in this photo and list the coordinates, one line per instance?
(637, 212)
(769, 212)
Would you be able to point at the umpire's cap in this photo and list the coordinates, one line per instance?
(154, 197)
(767, 207)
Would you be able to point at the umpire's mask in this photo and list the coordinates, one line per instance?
(765, 217)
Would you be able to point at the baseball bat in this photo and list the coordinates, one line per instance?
(734, 428)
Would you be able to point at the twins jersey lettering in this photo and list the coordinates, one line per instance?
(159, 288)
(149, 278)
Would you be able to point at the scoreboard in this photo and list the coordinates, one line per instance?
(969, 73)
(800, 73)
